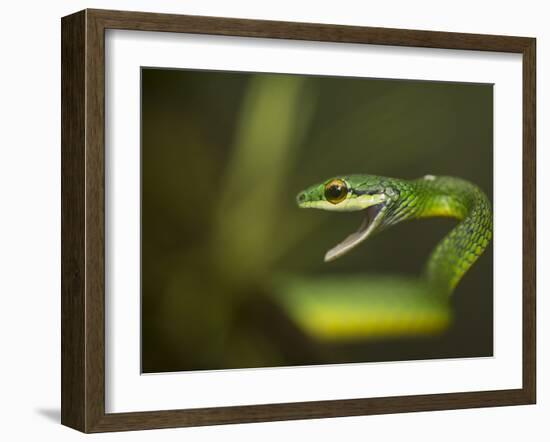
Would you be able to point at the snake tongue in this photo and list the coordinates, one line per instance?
(370, 223)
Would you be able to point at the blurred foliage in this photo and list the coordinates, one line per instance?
(232, 271)
(262, 154)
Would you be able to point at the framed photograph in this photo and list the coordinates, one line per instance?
(268, 220)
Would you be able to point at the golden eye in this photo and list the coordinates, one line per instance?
(336, 191)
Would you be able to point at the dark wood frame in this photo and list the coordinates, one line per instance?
(83, 217)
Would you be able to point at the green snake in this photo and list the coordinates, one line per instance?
(420, 305)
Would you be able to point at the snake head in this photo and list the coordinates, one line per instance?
(349, 194)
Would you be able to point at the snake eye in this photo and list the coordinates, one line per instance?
(336, 191)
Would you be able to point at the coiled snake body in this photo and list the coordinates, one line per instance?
(386, 202)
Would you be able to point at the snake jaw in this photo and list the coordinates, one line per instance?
(373, 219)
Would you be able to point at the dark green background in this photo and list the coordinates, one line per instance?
(194, 315)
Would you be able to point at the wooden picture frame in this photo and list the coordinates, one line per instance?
(83, 220)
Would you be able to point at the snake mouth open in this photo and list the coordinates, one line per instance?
(373, 219)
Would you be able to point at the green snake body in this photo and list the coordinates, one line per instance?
(389, 201)
(336, 307)
(450, 197)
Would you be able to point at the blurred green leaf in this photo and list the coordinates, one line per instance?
(275, 115)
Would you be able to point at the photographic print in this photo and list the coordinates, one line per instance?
(301, 220)
(248, 204)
